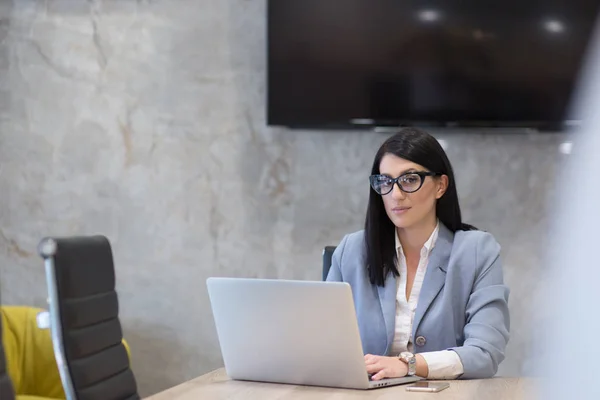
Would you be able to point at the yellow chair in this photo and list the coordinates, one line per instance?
(6, 386)
(29, 355)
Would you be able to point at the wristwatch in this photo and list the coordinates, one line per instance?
(410, 360)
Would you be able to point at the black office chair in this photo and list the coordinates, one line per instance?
(83, 319)
(327, 254)
(6, 388)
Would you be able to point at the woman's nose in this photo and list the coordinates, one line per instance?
(397, 193)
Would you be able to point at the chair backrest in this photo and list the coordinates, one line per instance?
(6, 388)
(84, 322)
(327, 255)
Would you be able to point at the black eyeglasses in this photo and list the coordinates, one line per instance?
(409, 182)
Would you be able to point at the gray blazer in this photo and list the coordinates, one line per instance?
(463, 304)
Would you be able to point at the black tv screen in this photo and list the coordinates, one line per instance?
(342, 63)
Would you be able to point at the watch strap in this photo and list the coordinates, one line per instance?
(411, 361)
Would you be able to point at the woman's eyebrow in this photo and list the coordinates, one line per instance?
(412, 169)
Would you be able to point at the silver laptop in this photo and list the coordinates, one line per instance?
(295, 332)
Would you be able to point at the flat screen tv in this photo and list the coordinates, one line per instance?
(348, 63)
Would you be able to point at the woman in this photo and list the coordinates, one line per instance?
(423, 281)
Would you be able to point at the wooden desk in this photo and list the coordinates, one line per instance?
(216, 385)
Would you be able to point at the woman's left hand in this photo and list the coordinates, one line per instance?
(385, 367)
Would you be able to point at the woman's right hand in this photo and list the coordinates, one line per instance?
(385, 367)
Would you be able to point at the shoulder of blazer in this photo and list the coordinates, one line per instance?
(479, 247)
(352, 247)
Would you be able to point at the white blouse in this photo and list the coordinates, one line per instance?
(442, 364)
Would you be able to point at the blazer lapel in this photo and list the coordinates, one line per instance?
(387, 300)
(435, 277)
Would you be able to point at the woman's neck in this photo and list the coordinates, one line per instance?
(412, 239)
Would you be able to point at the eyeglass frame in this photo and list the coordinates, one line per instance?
(395, 181)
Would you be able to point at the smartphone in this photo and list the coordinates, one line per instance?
(428, 387)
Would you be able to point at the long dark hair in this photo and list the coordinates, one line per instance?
(418, 146)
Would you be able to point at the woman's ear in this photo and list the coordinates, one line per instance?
(442, 186)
